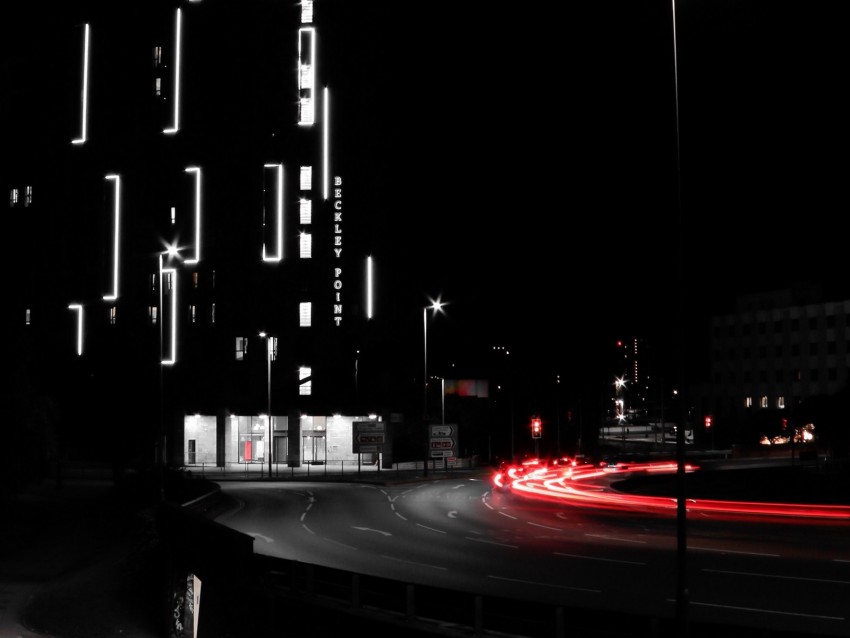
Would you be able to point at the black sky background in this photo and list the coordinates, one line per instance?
(520, 162)
(528, 158)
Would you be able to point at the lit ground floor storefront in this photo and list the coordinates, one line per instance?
(227, 440)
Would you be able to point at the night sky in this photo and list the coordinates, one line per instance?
(520, 161)
(531, 159)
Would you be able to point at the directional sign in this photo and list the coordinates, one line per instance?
(441, 431)
(442, 444)
(441, 454)
(369, 437)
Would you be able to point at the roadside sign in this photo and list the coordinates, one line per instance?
(442, 444)
(369, 437)
(441, 454)
(442, 431)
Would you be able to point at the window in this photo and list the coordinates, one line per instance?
(173, 215)
(193, 313)
(152, 313)
(241, 348)
(195, 279)
(157, 86)
(157, 57)
(305, 111)
(305, 243)
(306, 211)
(780, 403)
(154, 277)
(28, 196)
(305, 314)
(28, 317)
(305, 381)
(306, 178)
(212, 313)
(13, 197)
(112, 315)
(748, 402)
(306, 11)
(764, 401)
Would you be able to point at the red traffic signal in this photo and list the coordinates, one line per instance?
(536, 428)
(707, 421)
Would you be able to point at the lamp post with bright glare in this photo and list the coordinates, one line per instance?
(436, 306)
(170, 253)
(268, 339)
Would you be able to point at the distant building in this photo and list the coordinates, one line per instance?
(774, 352)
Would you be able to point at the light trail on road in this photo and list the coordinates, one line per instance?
(586, 485)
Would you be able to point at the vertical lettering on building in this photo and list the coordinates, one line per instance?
(337, 250)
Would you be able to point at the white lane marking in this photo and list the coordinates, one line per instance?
(604, 560)
(439, 531)
(554, 529)
(539, 584)
(616, 538)
(508, 515)
(369, 529)
(268, 539)
(481, 540)
(410, 562)
(732, 551)
(762, 611)
(779, 576)
(335, 542)
(453, 514)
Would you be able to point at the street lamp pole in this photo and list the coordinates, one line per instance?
(160, 461)
(269, 397)
(436, 306)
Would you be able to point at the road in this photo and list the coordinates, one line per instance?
(462, 534)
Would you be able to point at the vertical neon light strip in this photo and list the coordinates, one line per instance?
(79, 310)
(177, 46)
(116, 235)
(279, 216)
(369, 287)
(85, 91)
(326, 124)
(197, 172)
(173, 318)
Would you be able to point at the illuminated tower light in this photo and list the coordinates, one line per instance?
(116, 221)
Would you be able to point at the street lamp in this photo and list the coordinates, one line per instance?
(436, 306)
(171, 252)
(269, 339)
(619, 384)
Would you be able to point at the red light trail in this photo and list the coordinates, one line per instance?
(586, 485)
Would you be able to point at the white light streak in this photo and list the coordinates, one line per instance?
(278, 254)
(326, 128)
(177, 50)
(197, 172)
(78, 308)
(369, 291)
(116, 236)
(85, 91)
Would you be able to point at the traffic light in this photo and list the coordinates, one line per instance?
(536, 428)
(707, 421)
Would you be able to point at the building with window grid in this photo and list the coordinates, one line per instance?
(186, 256)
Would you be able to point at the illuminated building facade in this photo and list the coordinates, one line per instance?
(177, 189)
